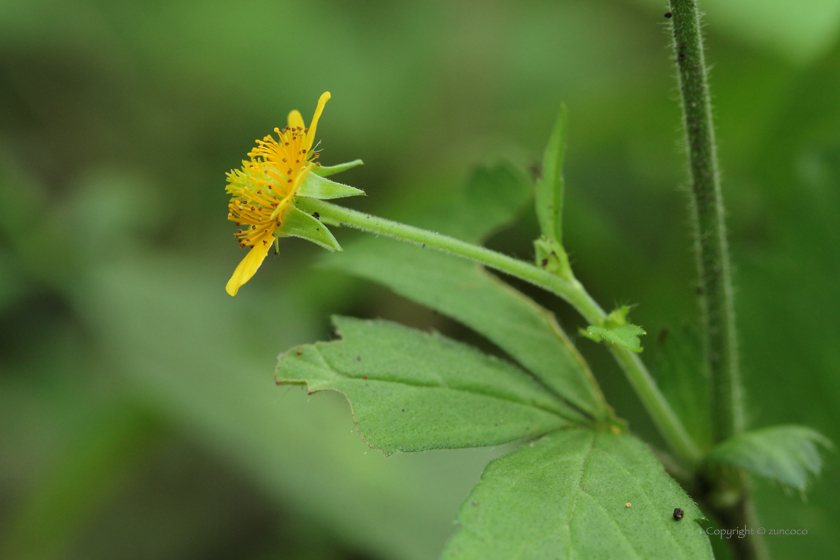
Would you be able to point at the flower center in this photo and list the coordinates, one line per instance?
(267, 184)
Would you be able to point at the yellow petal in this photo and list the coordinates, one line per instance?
(295, 120)
(310, 136)
(249, 265)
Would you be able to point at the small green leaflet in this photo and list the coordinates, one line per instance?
(789, 454)
(626, 336)
(412, 391)
(549, 191)
(578, 494)
(617, 330)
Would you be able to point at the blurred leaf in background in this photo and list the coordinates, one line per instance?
(137, 408)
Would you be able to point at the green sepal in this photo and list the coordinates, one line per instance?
(297, 223)
(616, 330)
(549, 189)
(315, 186)
(333, 169)
(551, 257)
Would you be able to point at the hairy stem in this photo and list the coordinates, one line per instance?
(570, 290)
(715, 288)
(712, 253)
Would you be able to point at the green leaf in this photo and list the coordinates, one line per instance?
(617, 330)
(318, 187)
(788, 454)
(297, 223)
(566, 496)
(549, 191)
(326, 171)
(479, 300)
(412, 391)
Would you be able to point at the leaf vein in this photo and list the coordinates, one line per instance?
(577, 497)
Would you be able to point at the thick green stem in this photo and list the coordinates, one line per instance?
(572, 291)
(715, 288)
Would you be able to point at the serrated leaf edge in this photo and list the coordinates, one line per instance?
(310, 391)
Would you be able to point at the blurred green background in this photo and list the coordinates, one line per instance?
(138, 414)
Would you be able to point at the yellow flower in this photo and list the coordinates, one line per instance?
(264, 189)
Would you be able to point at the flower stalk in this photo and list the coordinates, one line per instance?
(572, 291)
